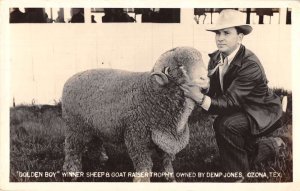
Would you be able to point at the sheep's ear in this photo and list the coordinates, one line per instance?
(161, 78)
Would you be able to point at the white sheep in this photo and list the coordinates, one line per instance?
(144, 110)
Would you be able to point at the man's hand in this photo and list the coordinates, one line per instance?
(193, 91)
(203, 83)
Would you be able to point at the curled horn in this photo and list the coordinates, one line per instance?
(162, 76)
(166, 71)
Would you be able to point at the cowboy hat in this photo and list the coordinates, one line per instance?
(231, 18)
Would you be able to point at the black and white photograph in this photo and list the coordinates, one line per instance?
(102, 93)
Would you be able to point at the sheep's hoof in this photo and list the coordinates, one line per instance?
(171, 179)
(141, 179)
(73, 166)
(68, 168)
(103, 157)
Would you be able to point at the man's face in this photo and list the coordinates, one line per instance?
(228, 39)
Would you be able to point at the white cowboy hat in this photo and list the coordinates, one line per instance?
(231, 18)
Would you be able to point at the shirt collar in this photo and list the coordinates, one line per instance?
(231, 56)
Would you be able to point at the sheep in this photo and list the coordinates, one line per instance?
(144, 110)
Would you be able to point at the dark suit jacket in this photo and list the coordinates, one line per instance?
(245, 89)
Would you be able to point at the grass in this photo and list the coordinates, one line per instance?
(37, 143)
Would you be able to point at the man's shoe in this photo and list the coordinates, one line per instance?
(284, 143)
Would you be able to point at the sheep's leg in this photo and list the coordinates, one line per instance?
(167, 165)
(77, 137)
(96, 150)
(138, 146)
(72, 156)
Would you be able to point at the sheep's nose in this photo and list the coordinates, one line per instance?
(202, 77)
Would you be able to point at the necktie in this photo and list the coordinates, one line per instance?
(223, 66)
(221, 63)
(223, 70)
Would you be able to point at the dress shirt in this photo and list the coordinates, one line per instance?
(207, 101)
